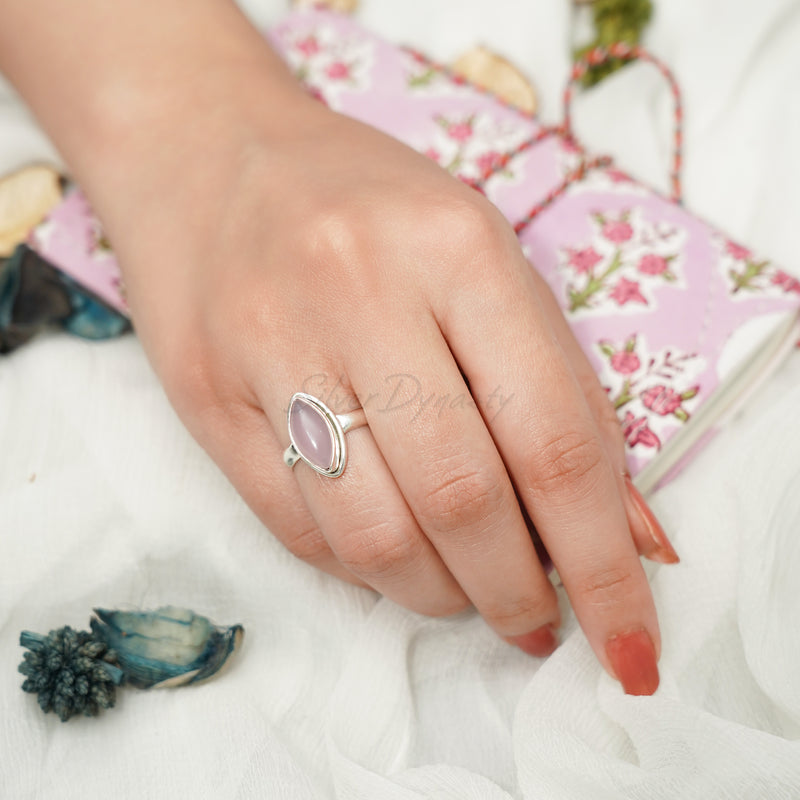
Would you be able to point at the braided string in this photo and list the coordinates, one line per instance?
(627, 52)
(500, 163)
(578, 174)
(592, 58)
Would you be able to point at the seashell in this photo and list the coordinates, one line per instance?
(497, 74)
(166, 647)
(342, 6)
(26, 197)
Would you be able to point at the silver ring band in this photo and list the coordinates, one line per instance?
(317, 435)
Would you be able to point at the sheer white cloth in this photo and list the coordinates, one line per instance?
(106, 501)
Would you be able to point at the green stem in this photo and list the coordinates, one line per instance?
(423, 79)
(752, 270)
(455, 163)
(594, 285)
(624, 397)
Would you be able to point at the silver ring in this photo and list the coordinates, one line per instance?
(317, 434)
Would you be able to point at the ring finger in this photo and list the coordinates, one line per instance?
(447, 466)
(366, 521)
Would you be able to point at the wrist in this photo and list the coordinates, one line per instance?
(122, 89)
(170, 119)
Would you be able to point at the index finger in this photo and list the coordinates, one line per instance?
(552, 447)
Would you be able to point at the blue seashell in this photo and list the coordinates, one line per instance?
(167, 647)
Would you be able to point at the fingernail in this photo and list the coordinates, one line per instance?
(662, 551)
(539, 643)
(633, 659)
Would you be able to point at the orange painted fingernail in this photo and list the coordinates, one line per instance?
(540, 643)
(633, 659)
(662, 550)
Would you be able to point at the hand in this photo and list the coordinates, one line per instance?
(334, 260)
(270, 246)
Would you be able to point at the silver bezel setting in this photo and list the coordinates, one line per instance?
(336, 428)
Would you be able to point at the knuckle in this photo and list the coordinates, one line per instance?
(308, 545)
(335, 232)
(446, 606)
(520, 614)
(441, 602)
(607, 588)
(470, 227)
(568, 462)
(460, 497)
(191, 381)
(381, 552)
(341, 236)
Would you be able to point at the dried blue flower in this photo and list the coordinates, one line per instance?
(70, 671)
(167, 647)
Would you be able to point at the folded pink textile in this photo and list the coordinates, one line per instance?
(678, 320)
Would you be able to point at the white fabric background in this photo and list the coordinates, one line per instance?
(106, 501)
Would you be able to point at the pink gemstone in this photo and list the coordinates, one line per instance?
(311, 434)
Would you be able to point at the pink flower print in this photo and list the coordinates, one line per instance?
(460, 131)
(584, 260)
(625, 363)
(433, 154)
(787, 282)
(662, 400)
(617, 231)
(627, 291)
(338, 71)
(737, 251)
(652, 264)
(486, 162)
(617, 176)
(308, 46)
(317, 94)
(665, 232)
(636, 431)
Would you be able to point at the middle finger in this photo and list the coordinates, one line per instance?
(443, 458)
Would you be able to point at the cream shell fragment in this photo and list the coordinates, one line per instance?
(342, 6)
(493, 72)
(26, 197)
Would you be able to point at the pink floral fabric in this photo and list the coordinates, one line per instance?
(652, 293)
(656, 391)
(624, 260)
(72, 238)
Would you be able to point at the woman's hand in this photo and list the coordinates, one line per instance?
(271, 246)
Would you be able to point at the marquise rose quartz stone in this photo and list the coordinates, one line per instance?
(311, 434)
